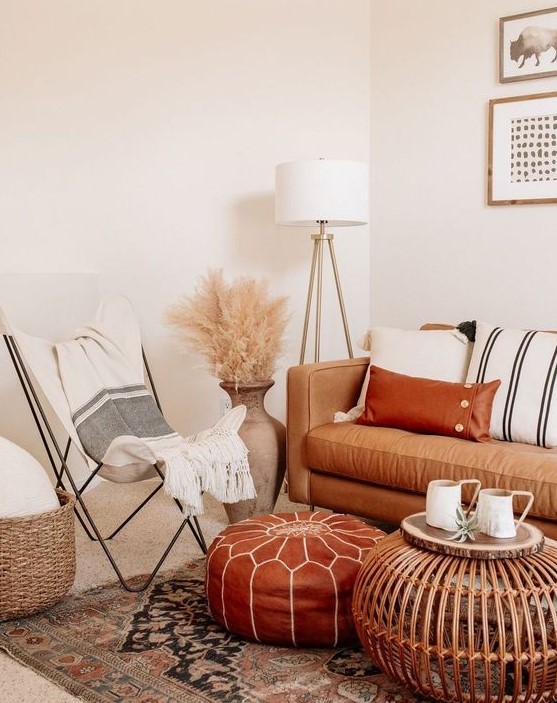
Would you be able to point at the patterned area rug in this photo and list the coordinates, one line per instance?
(161, 646)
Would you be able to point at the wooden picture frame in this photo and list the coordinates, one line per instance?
(528, 45)
(522, 150)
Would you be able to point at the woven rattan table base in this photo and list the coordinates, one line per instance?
(460, 629)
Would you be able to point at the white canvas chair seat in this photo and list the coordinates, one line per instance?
(97, 381)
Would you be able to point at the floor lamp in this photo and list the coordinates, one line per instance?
(328, 193)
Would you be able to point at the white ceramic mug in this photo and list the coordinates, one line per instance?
(443, 498)
(495, 514)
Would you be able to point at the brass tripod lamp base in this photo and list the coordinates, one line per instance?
(316, 276)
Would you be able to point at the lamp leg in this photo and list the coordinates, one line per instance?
(317, 271)
(340, 298)
(319, 244)
(309, 299)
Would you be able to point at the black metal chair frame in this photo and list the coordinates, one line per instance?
(58, 461)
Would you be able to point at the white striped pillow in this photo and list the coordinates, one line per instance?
(525, 406)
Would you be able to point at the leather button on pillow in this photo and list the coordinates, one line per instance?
(428, 406)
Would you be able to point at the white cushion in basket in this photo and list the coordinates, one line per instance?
(441, 355)
(25, 488)
(525, 406)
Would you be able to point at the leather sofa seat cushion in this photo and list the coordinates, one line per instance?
(407, 461)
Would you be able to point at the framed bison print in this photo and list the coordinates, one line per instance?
(528, 45)
(522, 144)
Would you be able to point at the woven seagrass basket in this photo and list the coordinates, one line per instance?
(37, 559)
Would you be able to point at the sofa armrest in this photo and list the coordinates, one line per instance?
(314, 393)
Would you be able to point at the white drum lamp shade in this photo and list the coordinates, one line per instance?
(323, 190)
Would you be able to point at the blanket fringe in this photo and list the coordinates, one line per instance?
(216, 462)
(182, 482)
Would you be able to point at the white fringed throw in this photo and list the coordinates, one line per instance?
(119, 423)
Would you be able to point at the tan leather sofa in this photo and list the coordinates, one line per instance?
(382, 473)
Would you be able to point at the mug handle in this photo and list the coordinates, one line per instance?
(520, 520)
(476, 492)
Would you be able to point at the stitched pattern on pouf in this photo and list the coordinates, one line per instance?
(288, 578)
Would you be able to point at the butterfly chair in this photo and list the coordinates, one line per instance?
(141, 445)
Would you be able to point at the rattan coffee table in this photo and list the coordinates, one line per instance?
(473, 626)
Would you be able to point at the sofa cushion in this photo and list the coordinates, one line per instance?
(439, 354)
(525, 409)
(428, 406)
(406, 461)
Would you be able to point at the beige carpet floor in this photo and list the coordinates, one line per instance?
(157, 522)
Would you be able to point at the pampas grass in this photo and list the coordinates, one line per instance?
(238, 327)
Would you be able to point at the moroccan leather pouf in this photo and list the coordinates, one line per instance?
(288, 578)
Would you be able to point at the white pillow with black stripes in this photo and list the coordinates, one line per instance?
(525, 361)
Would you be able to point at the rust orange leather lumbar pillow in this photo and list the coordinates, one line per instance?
(431, 407)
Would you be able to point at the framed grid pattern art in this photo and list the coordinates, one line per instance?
(522, 150)
(528, 45)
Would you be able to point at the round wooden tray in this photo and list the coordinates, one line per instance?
(528, 540)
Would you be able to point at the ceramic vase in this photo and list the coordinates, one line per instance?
(265, 438)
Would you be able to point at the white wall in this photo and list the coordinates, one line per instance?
(438, 252)
(22, 298)
(139, 141)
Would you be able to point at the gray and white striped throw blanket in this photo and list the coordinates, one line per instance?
(119, 423)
